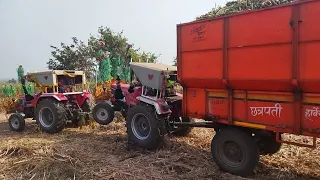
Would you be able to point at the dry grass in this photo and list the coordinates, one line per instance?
(103, 153)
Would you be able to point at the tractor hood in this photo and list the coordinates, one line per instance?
(152, 74)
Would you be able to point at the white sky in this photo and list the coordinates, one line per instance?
(29, 27)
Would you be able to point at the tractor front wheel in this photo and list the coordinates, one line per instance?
(51, 116)
(16, 122)
(143, 127)
(234, 151)
(103, 113)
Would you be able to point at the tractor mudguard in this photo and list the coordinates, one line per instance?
(160, 106)
(81, 98)
(58, 97)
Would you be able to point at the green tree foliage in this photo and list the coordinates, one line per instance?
(115, 64)
(235, 6)
(124, 71)
(76, 56)
(104, 70)
(83, 56)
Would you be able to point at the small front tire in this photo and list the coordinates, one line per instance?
(103, 113)
(16, 122)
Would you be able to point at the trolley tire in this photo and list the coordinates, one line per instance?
(247, 146)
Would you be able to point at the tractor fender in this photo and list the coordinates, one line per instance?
(160, 106)
(81, 98)
(57, 97)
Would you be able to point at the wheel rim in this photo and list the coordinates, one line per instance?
(140, 126)
(231, 153)
(46, 117)
(15, 123)
(102, 114)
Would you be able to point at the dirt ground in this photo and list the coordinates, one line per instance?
(102, 152)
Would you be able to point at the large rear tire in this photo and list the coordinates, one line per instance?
(51, 116)
(103, 113)
(16, 122)
(143, 128)
(183, 131)
(235, 151)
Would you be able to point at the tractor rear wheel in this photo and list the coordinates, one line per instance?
(51, 116)
(235, 151)
(16, 122)
(143, 128)
(103, 113)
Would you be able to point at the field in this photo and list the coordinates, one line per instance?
(102, 152)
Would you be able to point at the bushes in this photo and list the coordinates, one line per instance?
(13, 90)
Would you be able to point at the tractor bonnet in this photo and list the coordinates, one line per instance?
(152, 74)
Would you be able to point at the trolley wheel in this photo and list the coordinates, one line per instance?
(235, 151)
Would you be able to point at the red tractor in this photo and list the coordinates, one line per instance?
(149, 104)
(63, 98)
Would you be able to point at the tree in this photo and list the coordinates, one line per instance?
(12, 81)
(119, 49)
(147, 57)
(235, 6)
(104, 70)
(82, 56)
(76, 56)
(175, 63)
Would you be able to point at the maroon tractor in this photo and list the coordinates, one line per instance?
(63, 98)
(150, 104)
